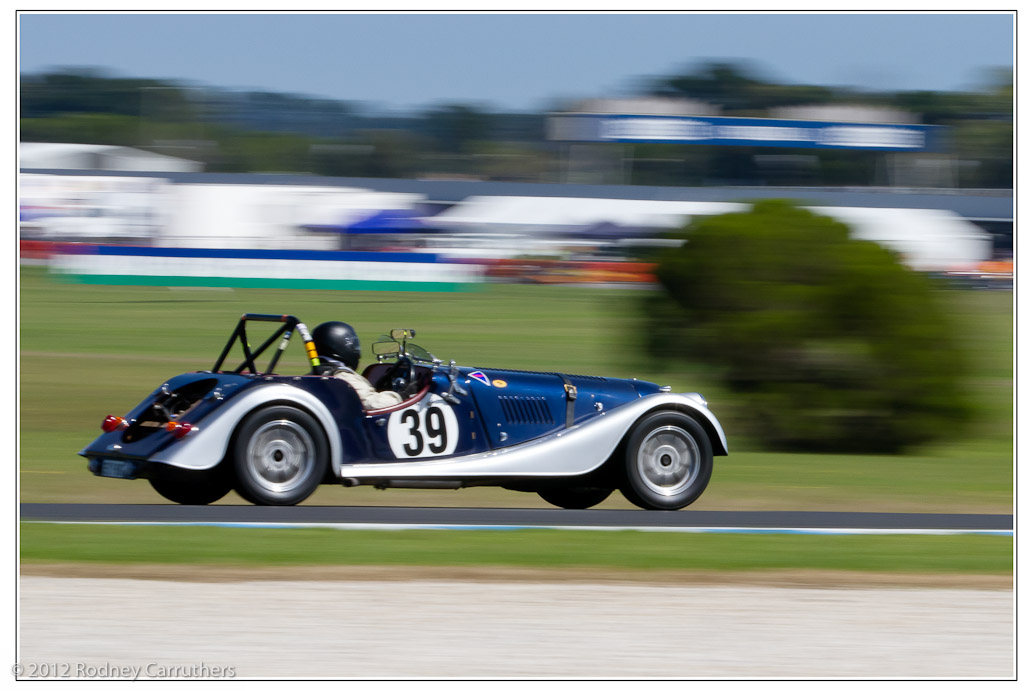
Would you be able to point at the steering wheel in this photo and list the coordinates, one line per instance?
(401, 377)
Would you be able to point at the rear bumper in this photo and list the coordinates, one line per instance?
(120, 468)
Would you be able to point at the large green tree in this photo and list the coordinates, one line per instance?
(824, 342)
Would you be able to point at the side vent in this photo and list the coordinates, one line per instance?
(526, 410)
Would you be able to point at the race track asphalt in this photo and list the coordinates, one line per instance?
(433, 516)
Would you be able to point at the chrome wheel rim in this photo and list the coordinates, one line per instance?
(280, 455)
(668, 460)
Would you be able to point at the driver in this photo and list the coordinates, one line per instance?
(338, 345)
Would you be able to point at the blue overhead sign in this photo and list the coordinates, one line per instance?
(723, 131)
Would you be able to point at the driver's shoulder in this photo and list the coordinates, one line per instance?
(348, 375)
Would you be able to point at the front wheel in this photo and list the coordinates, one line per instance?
(280, 456)
(668, 462)
(575, 497)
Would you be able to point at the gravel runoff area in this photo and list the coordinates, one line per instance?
(441, 628)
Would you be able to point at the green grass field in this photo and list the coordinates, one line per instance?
(87, 351)
(624, 550)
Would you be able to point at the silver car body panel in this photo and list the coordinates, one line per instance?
(207, 445)
(569, 452)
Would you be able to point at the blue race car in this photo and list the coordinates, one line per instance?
(274, 438)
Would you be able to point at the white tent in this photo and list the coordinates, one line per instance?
(548, 214)
(40, 155)
(96, 207)
(927, 239)
(269, 216)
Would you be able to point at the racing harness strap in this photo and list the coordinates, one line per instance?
(571, 397)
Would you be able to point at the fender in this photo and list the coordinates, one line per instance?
(206, 447)
(569, 452)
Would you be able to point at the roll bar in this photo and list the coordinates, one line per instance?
(288, 325)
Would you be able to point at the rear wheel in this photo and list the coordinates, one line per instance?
(197, 487)
(280, 456)
(575, 497)
(668, 462)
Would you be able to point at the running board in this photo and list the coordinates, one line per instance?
(403, 484)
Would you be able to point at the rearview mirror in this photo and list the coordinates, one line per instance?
(403, 333)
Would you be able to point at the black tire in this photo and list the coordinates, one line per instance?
(195, 487)
(668, 462)
(279, 456)
(575, 497)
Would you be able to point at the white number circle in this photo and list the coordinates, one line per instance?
(428, 428)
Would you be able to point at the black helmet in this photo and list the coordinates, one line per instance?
(339, 341)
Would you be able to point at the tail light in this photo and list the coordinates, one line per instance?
(113, 422)
(179, 429)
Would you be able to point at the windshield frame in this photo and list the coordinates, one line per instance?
(407, 348)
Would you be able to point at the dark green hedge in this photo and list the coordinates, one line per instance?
(825, 342)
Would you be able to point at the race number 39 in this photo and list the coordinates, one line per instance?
(428, 428)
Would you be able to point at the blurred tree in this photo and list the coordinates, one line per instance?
(849, 167)
(932, 107)
(454, 127)
(394, 153)
(80, 128)
(91, 91)
(223, 128)
(263, 152)
(340, 159)
(275, 112)
(986, 147)
(736, 87)
(721, 83)
(509, 162)
(826, 343)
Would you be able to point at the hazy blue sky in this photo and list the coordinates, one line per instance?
(518, 62)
